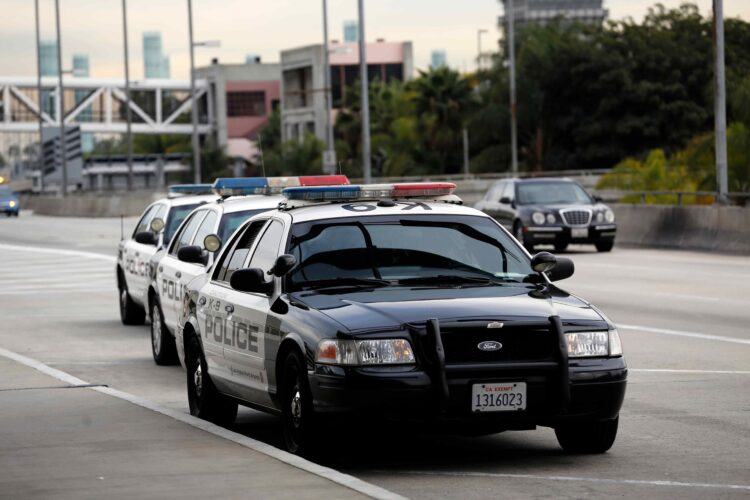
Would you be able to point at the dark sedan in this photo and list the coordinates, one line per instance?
(552, 211)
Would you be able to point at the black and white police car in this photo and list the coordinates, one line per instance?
(154, 230)
(395, 302)
(197, 240)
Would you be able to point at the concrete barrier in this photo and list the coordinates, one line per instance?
(90, 205)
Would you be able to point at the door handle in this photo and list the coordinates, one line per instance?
(229, 308)
(178, 274)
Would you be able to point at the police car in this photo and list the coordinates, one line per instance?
(395, 302)
(192, 249)
(154, 230)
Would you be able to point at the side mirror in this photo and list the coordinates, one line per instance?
(543, 262)
(283, 265)
(563, 269)
(598, 198)
(157, 225)
(212, 242)
(145, 238)
(505, 200)
(250, 280)
(191, 254)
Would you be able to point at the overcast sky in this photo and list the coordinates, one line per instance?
(94, 27)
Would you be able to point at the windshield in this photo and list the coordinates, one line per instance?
(551, 193)
(230, 222)
(412, 249)
(175, 218)
(5, 191)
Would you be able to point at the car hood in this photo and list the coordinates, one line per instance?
(557, 207)
(392, 307)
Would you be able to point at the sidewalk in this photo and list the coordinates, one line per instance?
(63, 441)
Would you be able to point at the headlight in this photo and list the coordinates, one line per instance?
(538, 218)
(550, 218)
(365, 352)
(609, 215)
(600, 217)
(591, 344)
(12, 204)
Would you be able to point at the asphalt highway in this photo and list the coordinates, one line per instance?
(684, 318)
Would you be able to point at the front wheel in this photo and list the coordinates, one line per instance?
(130, 312)
(605, 245)
(297, 415)
(162, 343)
(587, 437)
(518, 233)
(204, 399)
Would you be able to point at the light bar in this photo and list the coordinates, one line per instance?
(370, 191)
(189, 189)
(244, 186)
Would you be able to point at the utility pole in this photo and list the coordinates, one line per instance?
(329, 157)
(194, 107)
(61, 104)
(510, 40)
(41, 99)
(466, 152)
(720, 107)
(128, 112)
(480, 32)
(366, 165)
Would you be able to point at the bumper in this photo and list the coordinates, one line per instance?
(9, 210)
(564, 235)
(597, 390)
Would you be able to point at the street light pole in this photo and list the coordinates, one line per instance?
(480, 32)
(61, 104)
(510, 40)
(366, 166)
(194, 107)
(128, 112)
(720, 106)
(41, 98)
(329, 163)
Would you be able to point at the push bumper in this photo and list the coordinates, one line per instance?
(539, 235)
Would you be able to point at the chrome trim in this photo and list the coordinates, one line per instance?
(605, 227)
(538, 229)
(566, 210)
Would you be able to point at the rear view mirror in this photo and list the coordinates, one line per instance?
(191, 254)
(250, 280)
(283, 265)
(145, 238)
(543, 262)
(563, 269)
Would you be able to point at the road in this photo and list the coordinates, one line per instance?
(683, 317)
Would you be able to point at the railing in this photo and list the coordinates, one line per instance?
(488, 176)
(736, 197)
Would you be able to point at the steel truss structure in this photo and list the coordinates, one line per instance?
(97, 105)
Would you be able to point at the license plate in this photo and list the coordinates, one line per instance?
(579, 232)
(507, 396)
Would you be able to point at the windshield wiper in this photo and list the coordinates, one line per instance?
(334, 282)
(454, 278)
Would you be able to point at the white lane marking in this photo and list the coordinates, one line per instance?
(641, 482)
(679, 333)
(332, 475)
(38, 291)
(697, 372)
(59, 251)
(52, 286)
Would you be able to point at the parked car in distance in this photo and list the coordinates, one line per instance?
(8, 201)
(550, 210)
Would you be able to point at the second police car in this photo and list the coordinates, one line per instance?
(393, 301)
(195, 243)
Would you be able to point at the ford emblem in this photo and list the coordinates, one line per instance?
(490, 345)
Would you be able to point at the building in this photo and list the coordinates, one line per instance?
(302, 80)
(242, 98)
(527, 12)
(252, 59)
(49, 67)
(438, 59)
(351, 32)
(81, 70)
(155, 63)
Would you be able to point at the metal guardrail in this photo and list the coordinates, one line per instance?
(734, 196)
(487, 176)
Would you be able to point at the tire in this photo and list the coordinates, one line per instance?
(204, 399)
(605, 245)
(518, 233)
(560, 247)
(130, 312)
(298, 418)
(162, 342)
(587, 437)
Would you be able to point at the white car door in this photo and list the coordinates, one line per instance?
(137, 257)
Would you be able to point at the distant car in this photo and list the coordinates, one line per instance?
(154, 230)
(551, 211)
(8, 201)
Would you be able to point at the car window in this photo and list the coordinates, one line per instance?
(496, 192)
(161, 211)
(145, 220)
(509, 191)
(230, 222)
(208, 226)
(268, 248)
(236, 255)
(186, 235)
(175, 218)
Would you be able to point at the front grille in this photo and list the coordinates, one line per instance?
(576, 217)
(518, 344)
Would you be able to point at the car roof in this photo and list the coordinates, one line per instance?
(532, 180)
(337, 210)
(180, 201)
(253, 202)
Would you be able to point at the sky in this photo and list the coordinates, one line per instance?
(94, 27)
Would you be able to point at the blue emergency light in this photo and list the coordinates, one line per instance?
(244, 186)
(370, 191)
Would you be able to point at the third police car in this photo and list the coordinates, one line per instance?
(395, 302)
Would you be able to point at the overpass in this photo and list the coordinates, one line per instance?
(98, 105)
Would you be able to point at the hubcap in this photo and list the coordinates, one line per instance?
(296, 408)
(198, 379)
(156, 329)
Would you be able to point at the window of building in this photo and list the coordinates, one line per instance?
(246, 103)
